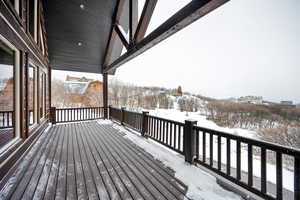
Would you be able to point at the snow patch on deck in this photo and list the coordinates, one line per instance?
(201, 185)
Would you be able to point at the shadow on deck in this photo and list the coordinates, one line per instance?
(89, 160)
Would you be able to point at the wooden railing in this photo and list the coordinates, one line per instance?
(62, 115)
(167, 132)
(225, 142)
(115, 113)
(6, 119)
(133, 120)
(205, 146)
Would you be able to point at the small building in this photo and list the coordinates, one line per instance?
(83, 91)
(286, 102)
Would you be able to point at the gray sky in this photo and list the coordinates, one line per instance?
(246, 47)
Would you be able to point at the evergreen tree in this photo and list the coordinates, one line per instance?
(179, 90)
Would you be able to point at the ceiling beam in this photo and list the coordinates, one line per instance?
(187, 15)
(113, 34)
(121, 36)
(130, 21)
(144, 20)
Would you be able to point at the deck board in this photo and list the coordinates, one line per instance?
(143, 158)
(24, 182)
(153, 177)
(88, 160)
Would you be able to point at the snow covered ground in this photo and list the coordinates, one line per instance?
(174, 114)
(201, 186)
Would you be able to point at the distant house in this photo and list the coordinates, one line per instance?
(6, 94)
(77, 79)
(83, 91)
(7, 91)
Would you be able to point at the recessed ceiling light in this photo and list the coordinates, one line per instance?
(81, 6)
(79, 44)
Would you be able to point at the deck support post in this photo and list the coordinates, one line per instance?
(297, 178)
(123, 115)
(53, 115)
(49, 87)
(109, 110)
(145, 124)
(189, 141)
(105, 96)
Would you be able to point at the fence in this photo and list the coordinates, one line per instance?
(62, 115)
(6, 119)
(197, 144)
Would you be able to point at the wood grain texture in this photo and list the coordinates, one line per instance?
(88, 160)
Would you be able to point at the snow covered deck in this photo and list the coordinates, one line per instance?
(90, 160)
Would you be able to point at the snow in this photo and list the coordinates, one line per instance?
(176, 115)
(201, 185)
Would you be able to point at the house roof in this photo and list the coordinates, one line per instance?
(78, 79)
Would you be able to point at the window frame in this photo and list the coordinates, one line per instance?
(35, 114)
(15, 5)
(42, 40)
(42, 73)
(16, 96)
(35, 19)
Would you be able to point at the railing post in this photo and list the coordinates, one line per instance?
(145, 124)
(189, 141)
(53, 115)
(105, 95)
(109, 112)
(122, 115)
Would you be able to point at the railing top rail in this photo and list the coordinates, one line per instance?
(9, 111)
(132, 112)
(268, 145)
(78, 108)
(116, 108)
(168, 120)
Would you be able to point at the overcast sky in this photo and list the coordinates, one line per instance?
(246, 47)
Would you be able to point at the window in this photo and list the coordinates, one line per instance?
(41, 94)
(8, 87)
(32, 21)
(42, 41)
(31, 95)
(15, 4)
(12, 2)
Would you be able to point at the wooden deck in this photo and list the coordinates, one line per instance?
(6, 135)
(89, 160)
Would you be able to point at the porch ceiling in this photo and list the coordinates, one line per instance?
(78, 33)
